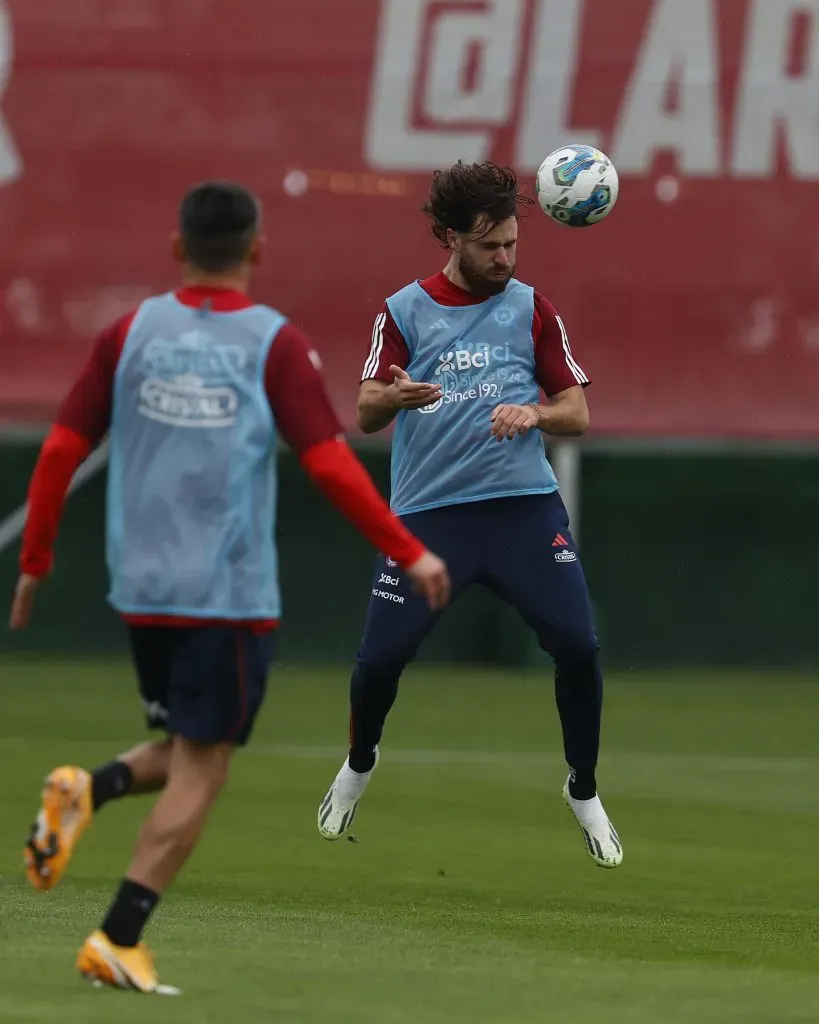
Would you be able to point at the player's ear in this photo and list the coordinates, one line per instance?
(254, 255)
(178, 248)
(452, 240)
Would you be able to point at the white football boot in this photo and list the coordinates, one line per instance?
(337, 810)
(602, 842)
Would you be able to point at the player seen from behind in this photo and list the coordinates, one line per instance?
(196, 387)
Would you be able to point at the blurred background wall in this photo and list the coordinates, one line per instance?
(694, 307)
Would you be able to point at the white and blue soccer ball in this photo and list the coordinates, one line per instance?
(577, 186)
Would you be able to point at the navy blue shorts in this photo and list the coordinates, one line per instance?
(521, 548)
(204, 683)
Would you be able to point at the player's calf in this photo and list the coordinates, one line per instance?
(196, 777)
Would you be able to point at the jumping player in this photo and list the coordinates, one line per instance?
(196, 387)
(457, 361)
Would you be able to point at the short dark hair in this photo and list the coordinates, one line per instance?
(218, 221)
(466, 192)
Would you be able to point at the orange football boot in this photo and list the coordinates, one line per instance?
(123, 967)
(66, 812)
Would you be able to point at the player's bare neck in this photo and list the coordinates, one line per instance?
(233, 282)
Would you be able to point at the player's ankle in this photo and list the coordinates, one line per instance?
(582, 784)
(361, 759)
(110, 782)
(129, 913)
(350, 784)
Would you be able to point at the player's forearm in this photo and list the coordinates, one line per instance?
(376, 410)
(62, 454)
(337, 472)
(562, 419)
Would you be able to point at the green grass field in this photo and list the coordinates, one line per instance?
(468, 897)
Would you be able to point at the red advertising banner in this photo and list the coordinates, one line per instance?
(694, 307)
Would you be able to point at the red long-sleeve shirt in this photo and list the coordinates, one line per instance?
(304, 417)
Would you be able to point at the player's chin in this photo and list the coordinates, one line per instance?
(494, 284)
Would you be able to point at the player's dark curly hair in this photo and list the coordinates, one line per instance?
(464, 193)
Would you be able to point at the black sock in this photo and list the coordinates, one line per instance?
(372, 694)
(110, 782)
(129, 913)
(361, 761)
(582, 784)
(579, 696)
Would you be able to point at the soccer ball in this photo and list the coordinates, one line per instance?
(577, 186)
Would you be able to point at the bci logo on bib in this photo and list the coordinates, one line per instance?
(472, 358)
(462, 360)
(469, 373)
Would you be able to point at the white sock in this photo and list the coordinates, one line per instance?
(590, 812)
(349, 784)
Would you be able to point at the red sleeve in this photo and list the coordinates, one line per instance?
(87, 408)
(555, 367)
(295, 388)
(336, 470)
(387, 348)
(61, 455)
(82, 422)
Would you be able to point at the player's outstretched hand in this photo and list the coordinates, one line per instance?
(23, 603)
(411, 394)
(510, 420)
(430, 577)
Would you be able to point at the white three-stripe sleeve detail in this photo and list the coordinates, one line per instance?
(376, 347)
(574, 366)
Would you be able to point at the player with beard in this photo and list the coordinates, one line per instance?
(459, 361)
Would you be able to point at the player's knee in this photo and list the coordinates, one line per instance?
(575, 650)
(202, 768)
(378, 669)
